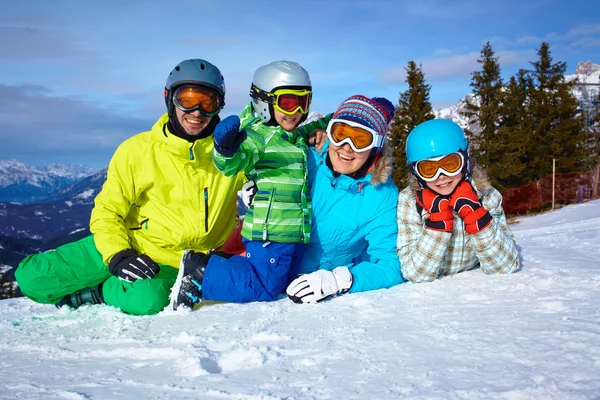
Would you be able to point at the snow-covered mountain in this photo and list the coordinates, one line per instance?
(25, 183)
(587, 75)
(81, 192)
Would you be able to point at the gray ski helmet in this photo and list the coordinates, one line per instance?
(194, 72)
(277, 75)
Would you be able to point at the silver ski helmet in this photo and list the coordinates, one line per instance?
(194, 72)
(273, 76)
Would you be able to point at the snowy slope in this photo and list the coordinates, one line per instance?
(531, 335)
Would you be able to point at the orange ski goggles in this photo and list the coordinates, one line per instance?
(359, 137)
(190, 98)
(430, 169)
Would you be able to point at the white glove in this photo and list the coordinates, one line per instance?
(319, 285)
(248, 191)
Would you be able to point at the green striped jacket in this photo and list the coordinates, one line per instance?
(275, 159)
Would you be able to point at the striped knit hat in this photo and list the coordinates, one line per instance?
(375, 113)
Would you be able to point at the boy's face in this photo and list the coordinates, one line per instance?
(287, 122)
(193, 122)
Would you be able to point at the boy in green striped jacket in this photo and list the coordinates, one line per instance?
(266, 143)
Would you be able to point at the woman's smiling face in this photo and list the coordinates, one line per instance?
(345, 160)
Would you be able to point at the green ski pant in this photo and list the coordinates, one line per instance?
(47, 277)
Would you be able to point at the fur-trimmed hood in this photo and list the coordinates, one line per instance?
(381, 169)
(478, 177)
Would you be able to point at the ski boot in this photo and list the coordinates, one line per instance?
(187, 290)
(90, 295)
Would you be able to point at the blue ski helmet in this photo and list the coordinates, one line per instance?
(194, 72)
(434, 138)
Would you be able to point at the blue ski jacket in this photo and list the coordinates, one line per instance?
(354, 223)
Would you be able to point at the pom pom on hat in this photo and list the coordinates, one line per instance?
(374, 113)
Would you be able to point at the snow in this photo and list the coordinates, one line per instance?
(85, 194)
(531, 335)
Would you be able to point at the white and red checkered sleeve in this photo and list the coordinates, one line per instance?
(495, 246)
(422, 251)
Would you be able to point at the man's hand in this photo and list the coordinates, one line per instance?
(465, 202)
(319, 285)
(129, 266)
(438, 208)
(228, 136)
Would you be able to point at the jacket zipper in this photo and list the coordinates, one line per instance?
(265, 233)
(205, 209)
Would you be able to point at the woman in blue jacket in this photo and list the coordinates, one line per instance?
(353, 238)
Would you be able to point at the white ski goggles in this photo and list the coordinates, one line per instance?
(430, 169)
(359, 137)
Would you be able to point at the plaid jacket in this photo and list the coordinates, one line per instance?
(426, 254)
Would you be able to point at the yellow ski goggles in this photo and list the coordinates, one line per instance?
(287, 101)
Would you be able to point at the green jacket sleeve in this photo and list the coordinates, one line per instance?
(303, 132)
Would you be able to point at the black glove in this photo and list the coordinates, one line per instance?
(228, 136)
(130, 266)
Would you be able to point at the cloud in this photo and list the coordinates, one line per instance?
(37, 124)
(437, 69)
(22, 43)
(580, 36)
(455, 66)
(584, 30)
(586, 42)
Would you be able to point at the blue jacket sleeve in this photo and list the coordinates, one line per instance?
(380, 266)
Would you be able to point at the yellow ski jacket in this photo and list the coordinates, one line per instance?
(162, 196)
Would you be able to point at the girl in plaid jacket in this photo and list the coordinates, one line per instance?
(450, 219)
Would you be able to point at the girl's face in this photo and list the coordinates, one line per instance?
(445, 185)
(345, 160)
(287, 122)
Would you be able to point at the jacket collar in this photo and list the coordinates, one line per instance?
(199, 150)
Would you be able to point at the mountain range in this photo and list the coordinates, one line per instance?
(23, 183)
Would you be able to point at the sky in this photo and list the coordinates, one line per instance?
(77, 77)
(531, 335)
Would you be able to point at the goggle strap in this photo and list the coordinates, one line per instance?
(259, 94)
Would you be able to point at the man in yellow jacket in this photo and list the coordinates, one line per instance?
(162, 196)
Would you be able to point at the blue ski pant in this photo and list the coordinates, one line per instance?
(262, 275)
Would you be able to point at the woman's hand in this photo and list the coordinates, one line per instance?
(319, 285)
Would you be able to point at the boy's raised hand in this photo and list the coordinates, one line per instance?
(228, 136)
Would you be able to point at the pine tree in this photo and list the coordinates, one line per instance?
(512, 135)
(557, 124)
(483, 110)
(593, 126)
(413, 108)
